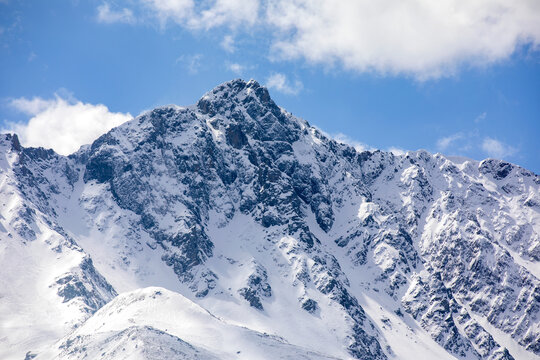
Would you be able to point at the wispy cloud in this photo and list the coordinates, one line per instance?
(397, 151)
(358, 145)
(62, 124)
(444, 142)
(228, 44)
(205, 15)
(109, 16)
(279, 82)
(497, 149)
(32, 56)
(236, 68)
(191, 62)
(345, 139)
(480, 117)
(464, 143)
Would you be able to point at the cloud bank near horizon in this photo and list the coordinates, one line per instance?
(61, 124)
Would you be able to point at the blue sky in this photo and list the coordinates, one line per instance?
(446, 76)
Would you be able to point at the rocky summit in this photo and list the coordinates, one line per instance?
(231, 229)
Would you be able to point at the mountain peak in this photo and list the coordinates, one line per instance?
(10, 141)
(236, 91)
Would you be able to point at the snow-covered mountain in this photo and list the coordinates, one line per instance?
(231, 229)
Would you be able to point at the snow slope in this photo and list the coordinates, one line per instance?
(159, 320)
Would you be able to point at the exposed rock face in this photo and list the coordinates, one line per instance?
(254, 209)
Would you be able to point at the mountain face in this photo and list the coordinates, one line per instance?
(232, 229)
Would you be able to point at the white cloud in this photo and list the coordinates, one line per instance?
(63, 125)
(206, 14)
(445, 142)
(236, 68)
(497, 149)
(280, 83)
(360, 146)
(480, 117)
(422, 38)
(397, 151)
(192, 62)
(229, 12)
(228, 44)
(345, 139)
(178, 10)
(109, 16)
(474, 143)
(30, 107)
(357, 145)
